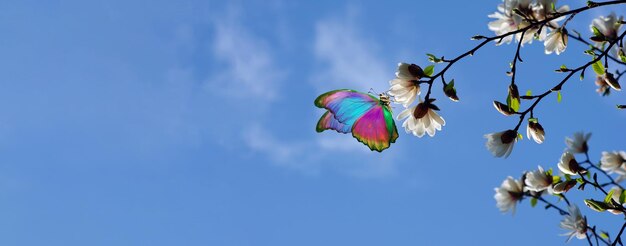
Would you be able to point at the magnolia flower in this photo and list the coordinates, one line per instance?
(603, 88)
(578, 144)
(504, 22)
(422, 119)
(501, 143)
(608, 80)
(556, 41)
(569, 165)
(535, 132)
(507, 20)
(508, 194)
(538, 180)
(405, 87)
(614, 162)
(575, 223)
(608, 26)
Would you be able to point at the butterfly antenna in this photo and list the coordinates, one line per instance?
(372, 91)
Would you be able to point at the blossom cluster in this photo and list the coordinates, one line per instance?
(539, 182)
(405, 88)
(522, 16)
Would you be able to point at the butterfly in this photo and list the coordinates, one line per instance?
(368, 118)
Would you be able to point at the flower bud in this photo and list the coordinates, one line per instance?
(503, 108)
(535, 131)
(612, 82)
(597, 206)
(564, 186)
(450, 91)
(513, 92)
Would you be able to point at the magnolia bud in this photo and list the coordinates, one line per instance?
(450, 91)
(612, 82)
(598, 206)
(513, 92)
(564, 186)
(535, 131)
(503, 108)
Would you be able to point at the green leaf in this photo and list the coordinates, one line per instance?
(580, 180)
(559, 97)
(609, 196)
(533, 202)
(449, 86)
(556, 179)
(433, 58)
(598, 68)
(513, 103)
(582, 75)
(596, 32)
(529, 93)
(598, 206)
(549, 172)
(604, 235)
(568, 177)
(428, 71)
(621, 54)
(622, 197)
(520, 136)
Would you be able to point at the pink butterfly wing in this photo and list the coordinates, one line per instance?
(376, 129)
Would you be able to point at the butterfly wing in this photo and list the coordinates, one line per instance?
(370, 122)
(346, 105)
(376, 128)
(328, 121)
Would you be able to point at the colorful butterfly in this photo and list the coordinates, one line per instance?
(367, 117)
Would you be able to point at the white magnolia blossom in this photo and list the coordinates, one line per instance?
(608, 80)
(556, 41)
(405, 87)
(578, 144)
(535, 132)
(500, 144)
(422, 119)
(575, 223)
(509, 194)
(608, 26)
(538, 180)
(614, 162)
(569, 165)
(507, 20)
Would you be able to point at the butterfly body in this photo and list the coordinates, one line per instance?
(368, 118)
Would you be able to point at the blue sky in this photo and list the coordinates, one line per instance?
(192, 123)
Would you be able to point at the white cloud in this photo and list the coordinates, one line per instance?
(281, 153)
(250, 68)
(250, 71)
(310, 157)
(350, 59)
